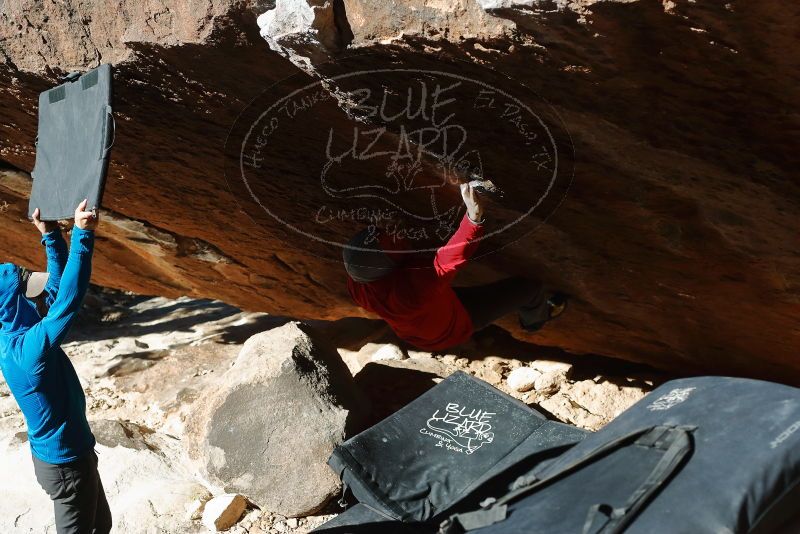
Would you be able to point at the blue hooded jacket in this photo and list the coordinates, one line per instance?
(39, 374)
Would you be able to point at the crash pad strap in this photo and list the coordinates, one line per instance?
(676, 446)
(675, 443)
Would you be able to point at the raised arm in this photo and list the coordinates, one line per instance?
(463, 244)
(56, 250)
(51, 330)
(458, 249)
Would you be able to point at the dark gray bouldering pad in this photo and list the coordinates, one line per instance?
(362, 519)
(697, 455)
(435, 452)
(75, 135)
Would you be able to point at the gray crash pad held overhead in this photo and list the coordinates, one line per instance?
(76, 131)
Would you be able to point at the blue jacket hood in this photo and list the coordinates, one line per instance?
(17, 313)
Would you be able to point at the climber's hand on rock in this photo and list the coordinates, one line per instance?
(473, 202)
(43, 226)
(85, 220)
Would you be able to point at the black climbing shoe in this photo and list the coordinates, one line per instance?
(556, 303)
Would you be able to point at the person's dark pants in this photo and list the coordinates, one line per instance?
(488, 303)
(77, 494)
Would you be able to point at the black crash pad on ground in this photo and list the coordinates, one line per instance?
(435, 453)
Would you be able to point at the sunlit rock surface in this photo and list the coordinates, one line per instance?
(677, 238)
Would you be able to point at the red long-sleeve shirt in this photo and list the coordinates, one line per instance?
(418, 303)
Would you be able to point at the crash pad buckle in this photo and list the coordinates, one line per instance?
(465, 522)
(71, 77)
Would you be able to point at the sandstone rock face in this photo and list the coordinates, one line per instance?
(268, 426)
(677, 239)
(81, 34)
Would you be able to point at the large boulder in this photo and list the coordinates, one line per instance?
(266, 428)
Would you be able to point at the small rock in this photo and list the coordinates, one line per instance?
(549, 383)
(388, 352)
(493, 362)
(20, 438)
(568, 411)
(194, 510)
(486, 372)
(491, 376)
(222, 512)
(605, 399)
(448, 359)
(354, 360)
(292, 522)
(280, 526)
(548, 366)
(250, 518)
(499, 367)
(113, 433)
(522, 379)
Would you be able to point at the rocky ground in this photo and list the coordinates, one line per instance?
(148, 363)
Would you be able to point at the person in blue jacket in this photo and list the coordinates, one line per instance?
(36, 313)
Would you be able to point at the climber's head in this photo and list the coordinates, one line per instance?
(21, 298)
(365, 260)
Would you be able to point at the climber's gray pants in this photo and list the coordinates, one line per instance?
(488, 303)
(77, 494)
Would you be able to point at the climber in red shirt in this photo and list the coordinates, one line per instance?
(420, 305)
